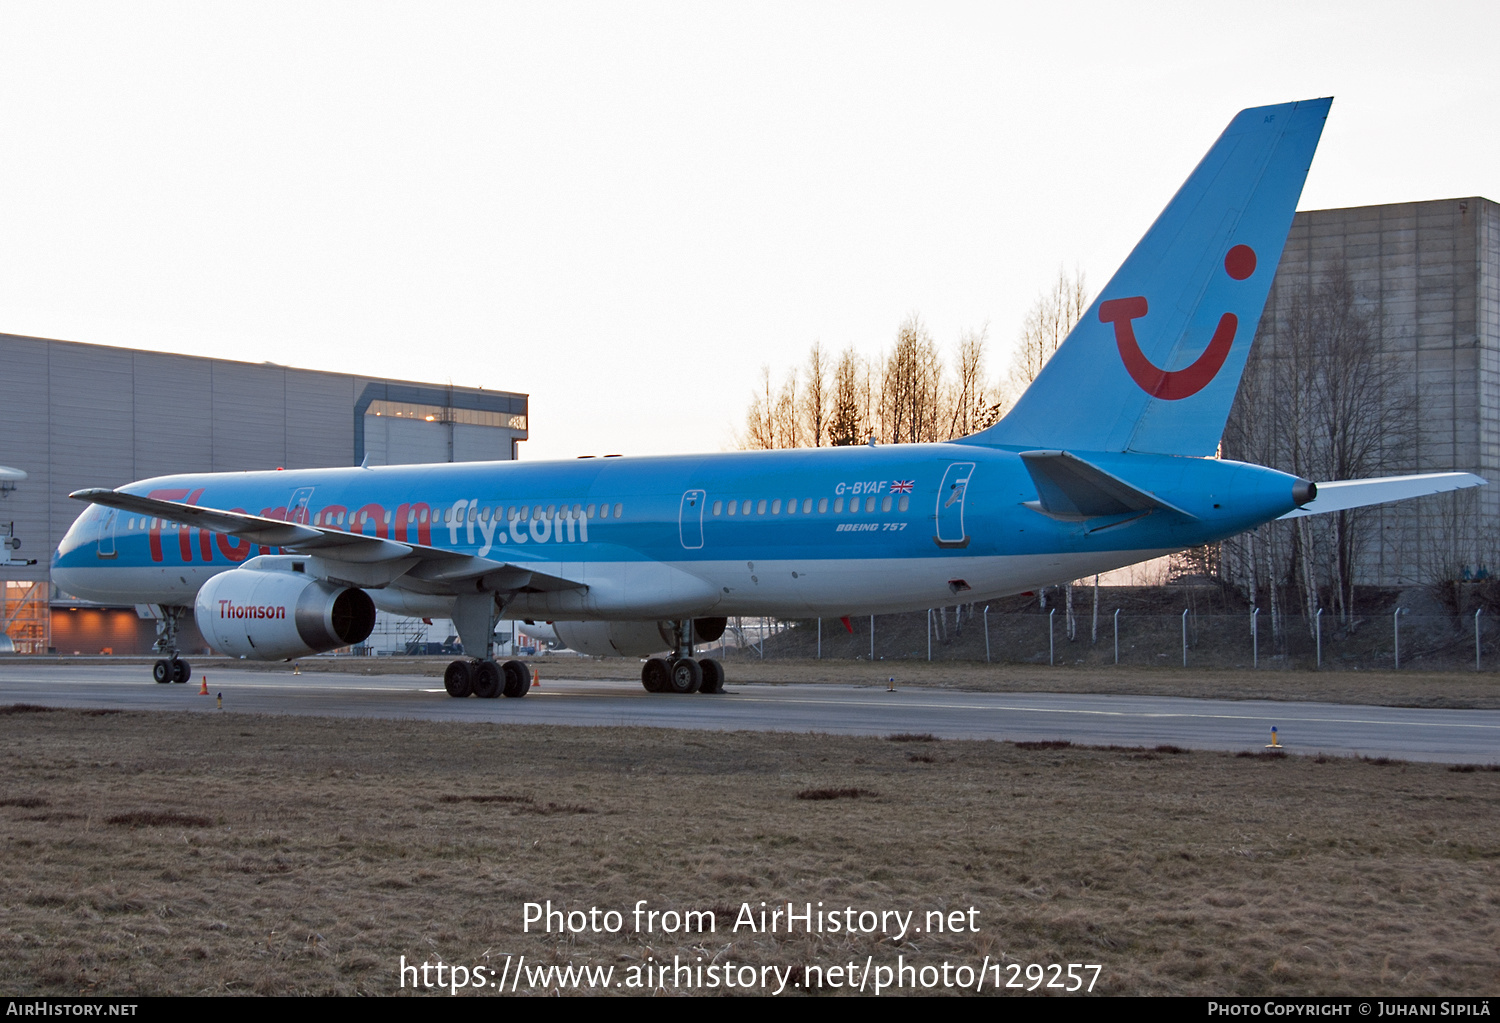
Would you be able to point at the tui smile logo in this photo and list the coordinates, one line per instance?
(1176, 384)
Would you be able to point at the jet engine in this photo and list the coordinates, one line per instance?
(269, 610)
(631, 639)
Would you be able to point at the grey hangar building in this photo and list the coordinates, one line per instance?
(80, 415)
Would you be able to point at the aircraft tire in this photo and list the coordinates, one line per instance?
(487, 680)
(713, 676)
(459, 679)
(685, 676)
(161, 671)
(655, 675)
(517, 679)
(181, 671)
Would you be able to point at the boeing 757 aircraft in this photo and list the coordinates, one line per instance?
(1107, 459)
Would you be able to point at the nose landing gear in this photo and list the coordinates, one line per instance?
(170, 668)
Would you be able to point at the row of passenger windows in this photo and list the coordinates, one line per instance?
(522, 513)
(765, 506)
(510, 513)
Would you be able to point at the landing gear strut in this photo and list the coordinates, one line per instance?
(476, 616)
(680, 673)
(170, 668)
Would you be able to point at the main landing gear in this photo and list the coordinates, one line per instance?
(486, 679)
(680, 673)
(476, 615)
(170, 668)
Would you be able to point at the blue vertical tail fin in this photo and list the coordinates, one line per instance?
(1155, 362)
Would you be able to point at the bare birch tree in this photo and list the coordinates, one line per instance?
(813, 405)
(847, 419)
(1054, 313)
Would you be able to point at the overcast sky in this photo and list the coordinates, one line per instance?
(626, 209)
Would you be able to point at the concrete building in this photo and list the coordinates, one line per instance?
(78, 415)
(1427, 274)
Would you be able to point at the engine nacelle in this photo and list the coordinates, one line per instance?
(631, 639)
(268, 610)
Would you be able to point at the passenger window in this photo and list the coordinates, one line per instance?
(838, 505)
(776, 507)
(807, 507)
(589, 511)
(885, 503)
(822, 505)
(718, 507)
(746, 508)
(734, 506)
(905, 504)
(619, 510)
(760, 508)
(869, 504)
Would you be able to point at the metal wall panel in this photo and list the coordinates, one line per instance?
(249, 417)
(319, 423)
(173, 414)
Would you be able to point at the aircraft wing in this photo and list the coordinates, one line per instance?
(1341, 495)
(438, 569)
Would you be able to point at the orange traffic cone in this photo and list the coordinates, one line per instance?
(203, 689)
(536, 678)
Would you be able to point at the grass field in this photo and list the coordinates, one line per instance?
(187, 854)
(1440, 689)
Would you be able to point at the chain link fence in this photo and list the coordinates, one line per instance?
(1187, 639)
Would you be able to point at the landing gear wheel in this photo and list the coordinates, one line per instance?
(655, 675)
(517, 679)
(486, 680)
(713, 676)
(686, 676)
(161, 671)
(459, 679)
(181, 671)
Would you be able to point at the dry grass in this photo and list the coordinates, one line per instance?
(1460, 689)
(1439, 689)
(333, 847)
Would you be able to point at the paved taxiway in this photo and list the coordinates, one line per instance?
(1457, 736)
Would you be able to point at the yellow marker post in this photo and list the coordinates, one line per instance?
(221, 701)
(892, 687)
(1275, 742)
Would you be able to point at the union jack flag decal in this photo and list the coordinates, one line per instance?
(902, 486)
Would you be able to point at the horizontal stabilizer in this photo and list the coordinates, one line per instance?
(1341, 495)
(1071, 489)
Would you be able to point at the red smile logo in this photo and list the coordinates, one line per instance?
(1182, 383)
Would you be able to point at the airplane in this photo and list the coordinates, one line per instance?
(1107, 459)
